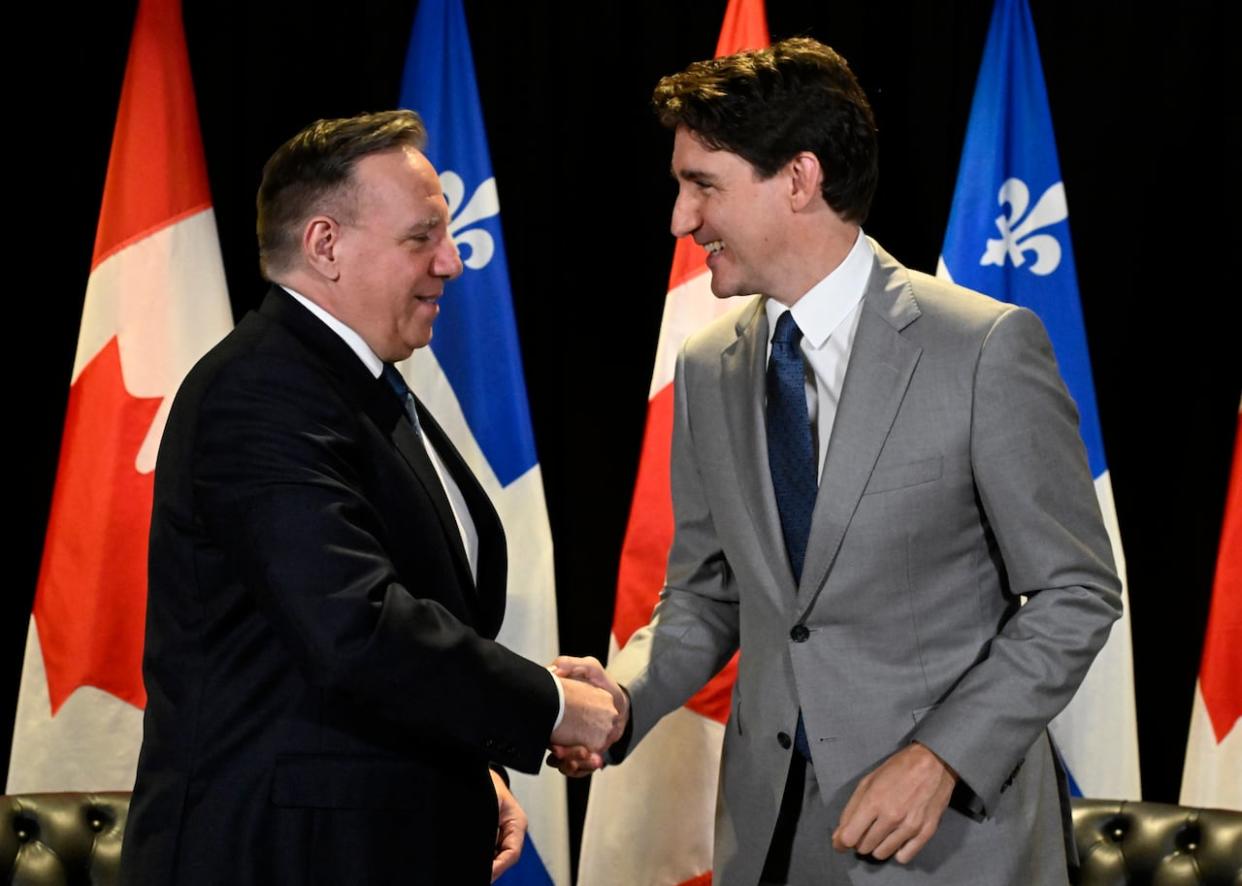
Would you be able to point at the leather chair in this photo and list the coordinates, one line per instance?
(76, 838)
(1123, 843)
(63, 839)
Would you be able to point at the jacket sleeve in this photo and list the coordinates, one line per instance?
(694, 629)
(278, 480)
(1038, 497)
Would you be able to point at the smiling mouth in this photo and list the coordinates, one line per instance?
(714, 247)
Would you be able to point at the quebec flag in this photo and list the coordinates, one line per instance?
(1009, 237)
(471, 379)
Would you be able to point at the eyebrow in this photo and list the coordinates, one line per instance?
(422, 226)
(693, 175)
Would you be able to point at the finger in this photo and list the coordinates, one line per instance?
(505, 858)
(560, 754)
(876, 833)
(850, 828)
(567, 663)
(588, 669)
(587, 763)
(914, 845)
(892, 842)
(577, 766)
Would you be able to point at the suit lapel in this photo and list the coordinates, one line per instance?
(743, 369)
(415, 455)
(881, 363)
(374, 397)
(488, 601)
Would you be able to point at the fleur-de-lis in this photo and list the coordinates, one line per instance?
(1017, 240)
(484, 203)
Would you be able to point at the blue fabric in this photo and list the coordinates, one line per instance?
(402, 390)
(791, 455)
(1015, 245)
(475, 339)
(476, 347)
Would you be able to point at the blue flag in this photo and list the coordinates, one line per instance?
(1008, 237)
(475, 340)
(471, 379)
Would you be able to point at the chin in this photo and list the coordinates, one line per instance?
(422, 342)
(720, 291)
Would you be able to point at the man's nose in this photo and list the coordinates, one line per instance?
(685, 219)
(448, 262)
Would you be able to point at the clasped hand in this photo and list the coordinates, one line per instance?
(585, 678)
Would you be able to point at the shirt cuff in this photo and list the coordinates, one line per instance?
(560, 695)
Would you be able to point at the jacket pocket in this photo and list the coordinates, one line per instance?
(886, 478)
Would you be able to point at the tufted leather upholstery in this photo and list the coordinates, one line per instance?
(76, 838)
(64, 839)
(1153, 843)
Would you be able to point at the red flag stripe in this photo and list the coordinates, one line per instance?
(157, 173)
(649, 533)
(689, 260)
(650, 530)
(1220, 674)
(745, 27)
(90, 603)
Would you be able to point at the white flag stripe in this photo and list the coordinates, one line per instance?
(530, 609)
(687, 307)
(90, 745)
(1105, 696)
(1213, 773)
(165, 301)
(652, 818)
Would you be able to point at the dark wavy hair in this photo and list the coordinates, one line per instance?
(315, 167)
(768, 105)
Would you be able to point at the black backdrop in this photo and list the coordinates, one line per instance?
(1144, 101)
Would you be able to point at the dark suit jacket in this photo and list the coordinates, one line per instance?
(324, 695)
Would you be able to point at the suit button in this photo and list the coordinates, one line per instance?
(799, 633)
(783, 739)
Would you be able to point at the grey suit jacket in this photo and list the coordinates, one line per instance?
(955, 485)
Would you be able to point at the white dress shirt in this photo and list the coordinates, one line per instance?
(828, 317)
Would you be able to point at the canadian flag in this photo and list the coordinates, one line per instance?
(155, 302)
(679, 760)
(1213, 772)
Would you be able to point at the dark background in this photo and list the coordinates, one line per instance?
(1144, 101)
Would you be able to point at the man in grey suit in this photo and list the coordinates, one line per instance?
(881, 498)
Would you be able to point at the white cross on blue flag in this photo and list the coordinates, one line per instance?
(1008, 236)
(471, 380)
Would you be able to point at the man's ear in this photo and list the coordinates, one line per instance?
(321, 241)
(806, 180)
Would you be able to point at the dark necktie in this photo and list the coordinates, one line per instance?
(791, 454)
(791, 457)
(402, 390)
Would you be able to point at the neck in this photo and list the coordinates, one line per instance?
(814, 256)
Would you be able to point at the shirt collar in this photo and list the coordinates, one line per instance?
(368, 357)
(830, 301)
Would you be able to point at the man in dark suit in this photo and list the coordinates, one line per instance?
(326, 703)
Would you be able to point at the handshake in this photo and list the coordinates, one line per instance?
(596, 713)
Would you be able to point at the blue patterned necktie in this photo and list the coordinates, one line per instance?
(791, 455)
(402, 390)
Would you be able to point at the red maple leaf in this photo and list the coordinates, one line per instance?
(90, 603)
